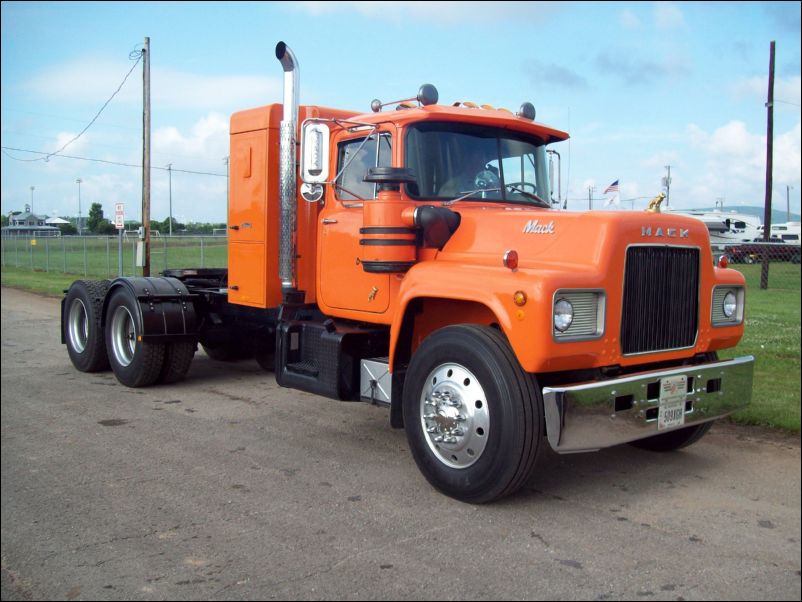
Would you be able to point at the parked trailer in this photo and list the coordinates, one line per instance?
(419, 265)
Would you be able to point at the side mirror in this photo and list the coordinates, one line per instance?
(315, 153)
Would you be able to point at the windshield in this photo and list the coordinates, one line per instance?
(453, 159)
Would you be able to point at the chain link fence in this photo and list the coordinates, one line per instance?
(98, 256)
(766, 265)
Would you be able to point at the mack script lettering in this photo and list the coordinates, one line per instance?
(534, 226)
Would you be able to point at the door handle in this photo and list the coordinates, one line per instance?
(329, 220)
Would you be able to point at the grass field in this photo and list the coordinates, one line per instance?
(772, 332)
(98, 256)
(772, 335)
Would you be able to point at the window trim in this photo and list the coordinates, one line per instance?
(381, 134)
(526, 137)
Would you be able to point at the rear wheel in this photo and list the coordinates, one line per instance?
(81, 325)
(472, 415)
(177, 360)
(135, 363)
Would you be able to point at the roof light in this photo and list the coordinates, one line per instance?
(527, 111)
(427, 95)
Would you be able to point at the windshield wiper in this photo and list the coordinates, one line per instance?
(470, 193)
(537, 200)
(530, 195)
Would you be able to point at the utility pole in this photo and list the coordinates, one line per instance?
(170, 176)
(788, 202)
(33, 187)
(590, 197)
(668, 186)
(78, 181)
(146, 154)
(225, 160)
(764, 272)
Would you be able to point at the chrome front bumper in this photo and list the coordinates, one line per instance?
(592, 416)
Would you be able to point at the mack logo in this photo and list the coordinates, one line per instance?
(668, 232)
(534, 226)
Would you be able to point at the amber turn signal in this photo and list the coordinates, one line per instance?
(519, 298)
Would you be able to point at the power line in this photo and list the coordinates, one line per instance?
(135, 54)
(25, 150)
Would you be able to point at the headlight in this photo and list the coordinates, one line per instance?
(563, 315)
(729, 305)
(578, 314)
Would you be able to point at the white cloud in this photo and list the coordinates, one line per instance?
(786, 90)
(206, 140)
(788, 157)
(668, 16)
(660, 160)
(94, 81)
(175, 89)
(734, 162)
(447, 13)
(629, 19)
(65, 138)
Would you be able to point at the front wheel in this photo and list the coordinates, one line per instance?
(472, 415)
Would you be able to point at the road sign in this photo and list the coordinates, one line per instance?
(119, 216)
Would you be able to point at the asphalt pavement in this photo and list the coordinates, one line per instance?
(226, 486)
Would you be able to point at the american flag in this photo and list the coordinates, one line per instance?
(611, 188)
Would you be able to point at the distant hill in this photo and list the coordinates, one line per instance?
(777, 215)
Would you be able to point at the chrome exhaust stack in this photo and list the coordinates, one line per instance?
(287, 167)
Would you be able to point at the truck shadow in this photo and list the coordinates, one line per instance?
(624, 473)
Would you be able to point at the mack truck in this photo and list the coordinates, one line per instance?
(412, 258)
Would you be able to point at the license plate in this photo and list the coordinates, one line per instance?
(673, 392)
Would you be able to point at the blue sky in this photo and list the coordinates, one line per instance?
(638, 85)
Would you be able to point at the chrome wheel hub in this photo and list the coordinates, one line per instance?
(78, 325)
(123, 336)
(454, 415)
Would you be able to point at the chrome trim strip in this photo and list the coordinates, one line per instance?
(583, 417)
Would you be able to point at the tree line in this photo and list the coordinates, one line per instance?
(96, 223)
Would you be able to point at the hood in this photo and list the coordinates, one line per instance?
(545, 238)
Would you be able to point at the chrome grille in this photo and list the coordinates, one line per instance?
(661, 299)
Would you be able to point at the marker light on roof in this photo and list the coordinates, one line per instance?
(527, 111)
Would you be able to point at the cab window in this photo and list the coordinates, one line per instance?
(354, 158)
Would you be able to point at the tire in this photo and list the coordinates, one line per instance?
(81, 325)
(473, 417)
(135, 363)
(675, 439)
(177, 360)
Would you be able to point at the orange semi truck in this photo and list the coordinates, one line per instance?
(412, 258)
